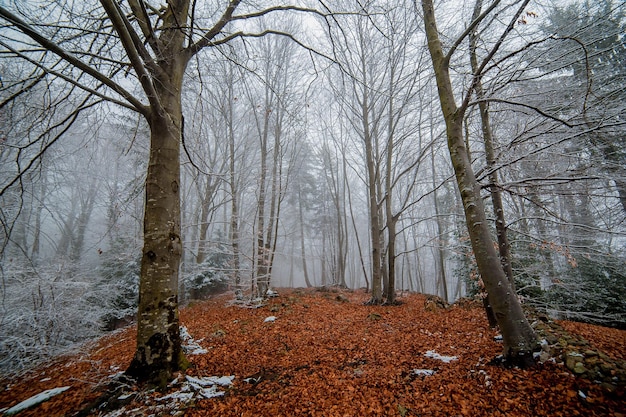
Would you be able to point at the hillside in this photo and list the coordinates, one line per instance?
(324, 353)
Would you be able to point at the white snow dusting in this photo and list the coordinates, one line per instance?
(35, 399)
(206, 387)
(191, 346)
(422, 372)
(269, 319)
(434, 355)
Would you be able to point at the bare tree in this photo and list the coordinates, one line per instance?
(519, 338)
(135, 55)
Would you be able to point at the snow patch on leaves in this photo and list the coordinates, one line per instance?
(190, 389)
(204, 387)
(423, 372)
(434, 355)
(269, 319)
(35, 399)
(191, 346)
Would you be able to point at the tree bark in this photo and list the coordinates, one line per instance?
(518, 336)
(159, 351)
(504, 247)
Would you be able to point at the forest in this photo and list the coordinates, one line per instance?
(154, 154)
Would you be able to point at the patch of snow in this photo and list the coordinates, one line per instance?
(434, 355)
(116, 413)
(206, 381)
(269, 319)
(177, 396)
(497, 338)
(422, 372)
(206, 387)
(190, 345)
(486, 377)
(271, 293)
(582, 395)
(211, 392)
(35, 399)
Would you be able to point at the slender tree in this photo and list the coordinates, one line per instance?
(519, 338)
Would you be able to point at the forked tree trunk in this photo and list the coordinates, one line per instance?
(518, 337)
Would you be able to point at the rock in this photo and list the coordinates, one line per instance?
(590, 353)
(607, 367)
(572, 360)
(579, 368)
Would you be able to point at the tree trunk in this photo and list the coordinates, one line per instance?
(234, 195)
(504, 248)
(519, 338)
(375, 238)
(307, 281)
(206, 204)
(440, 233)
(158, 341)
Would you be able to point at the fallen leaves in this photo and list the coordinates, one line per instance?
(325, 355)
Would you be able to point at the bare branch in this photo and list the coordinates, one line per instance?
(527, 106)
(469, 29)
(25, 28)
(478, 73)
(69, 79)
(215, 30)
(143, 19)
(129, 39)
(68, 121)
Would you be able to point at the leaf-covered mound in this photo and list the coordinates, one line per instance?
(327, 354)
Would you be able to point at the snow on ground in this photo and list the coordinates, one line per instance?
(206, 387)
(423, 372)
(191, 346)
(434, 355)
(188, 390)
(34, 400)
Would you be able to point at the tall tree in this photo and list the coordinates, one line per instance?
(518, 336)
(134, 54)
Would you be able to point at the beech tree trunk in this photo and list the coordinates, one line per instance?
(159, 351)
(518, 337)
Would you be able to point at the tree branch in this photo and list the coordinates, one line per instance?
(129, 37)
(479, 71)
(25, 28)
(143, 19)
(72, 80)
(469, 29)
(215, 30)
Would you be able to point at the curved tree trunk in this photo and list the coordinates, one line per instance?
(519, 338)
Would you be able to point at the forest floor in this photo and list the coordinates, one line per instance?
(325, 353)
